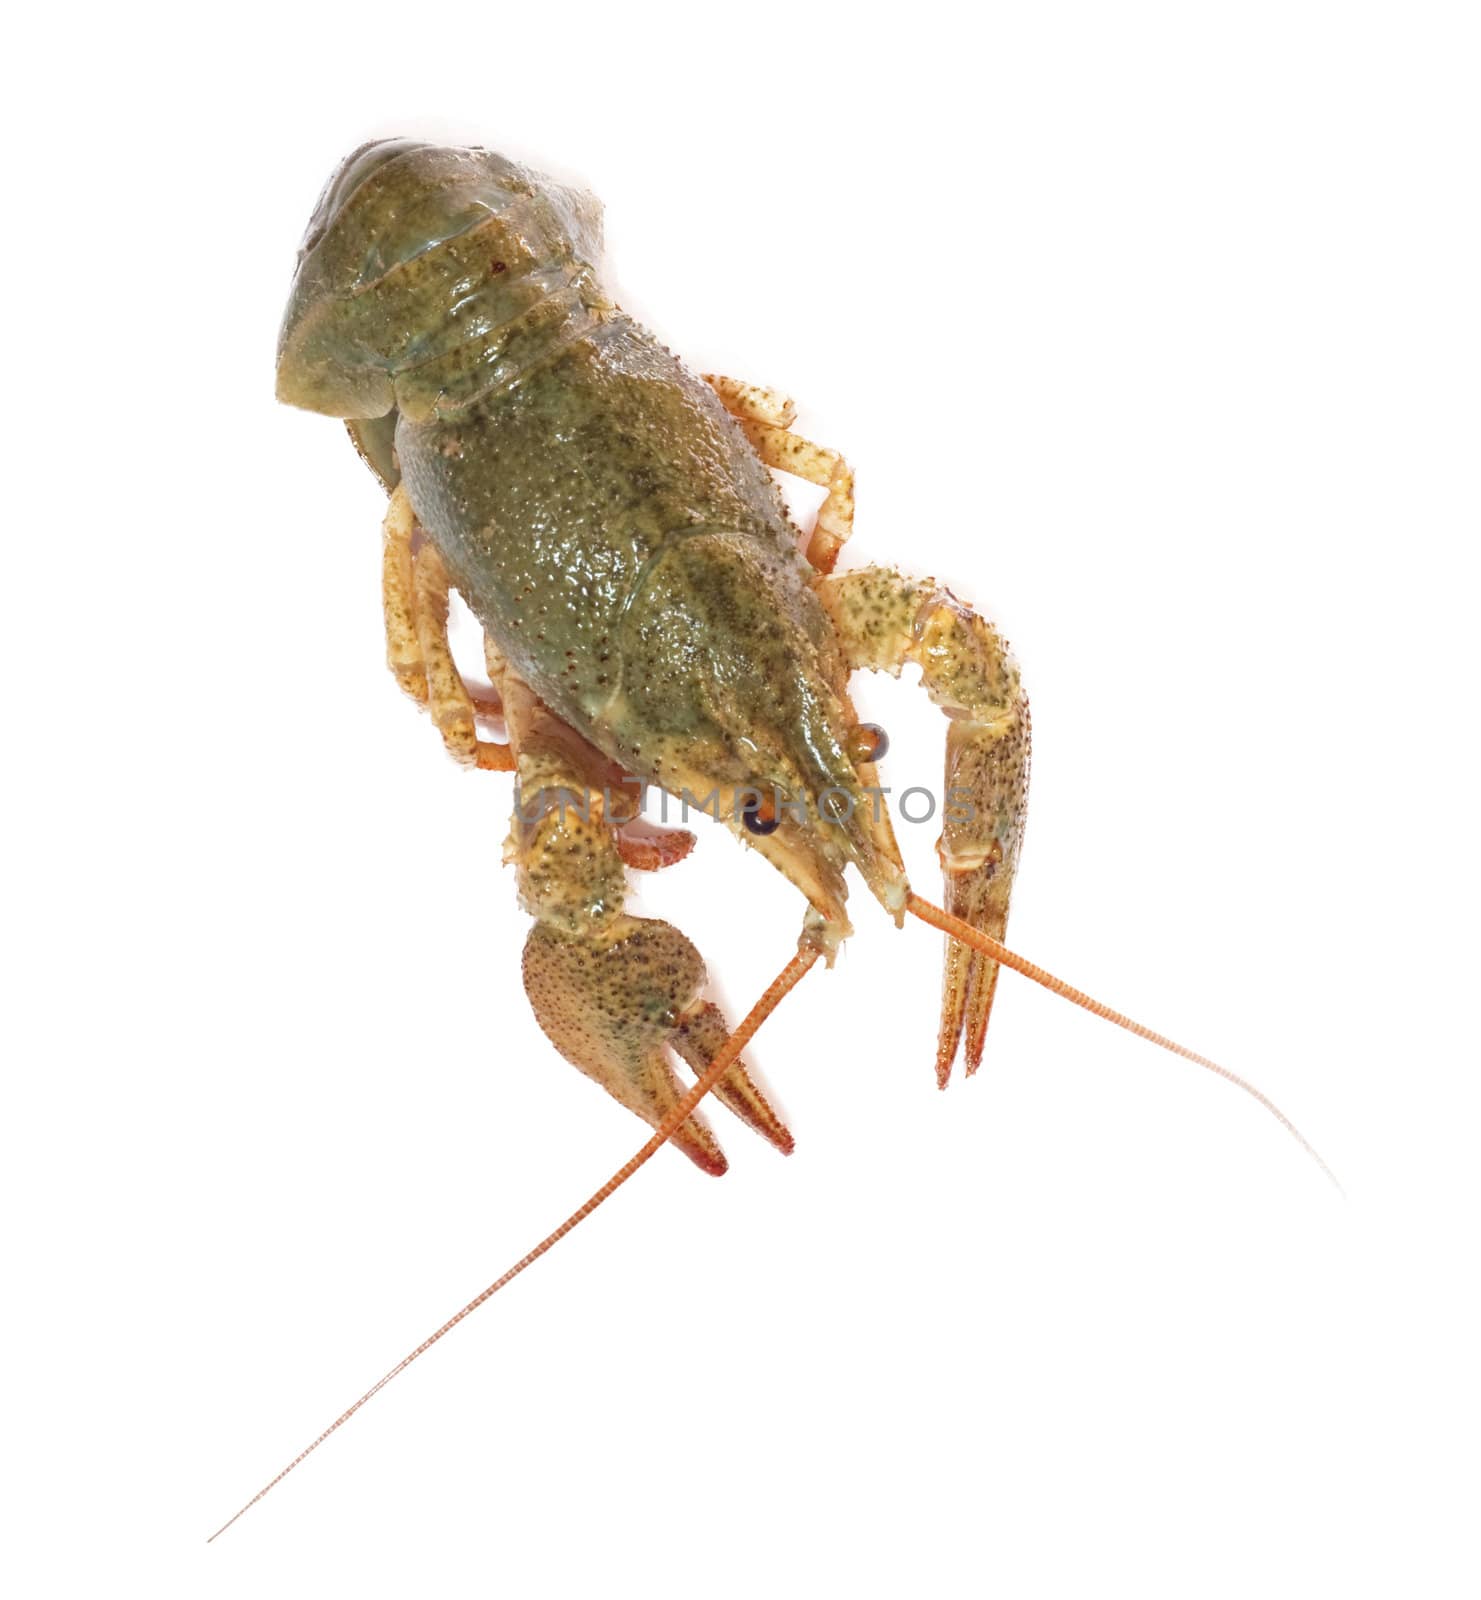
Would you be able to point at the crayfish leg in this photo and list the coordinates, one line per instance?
(765, 416)
(613, 992)
(414, 591)
(648, 849)
(883, 620)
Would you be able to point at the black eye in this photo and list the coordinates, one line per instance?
(760, 818)
(867, 741)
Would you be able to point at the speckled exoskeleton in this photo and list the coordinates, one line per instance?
(652, 615)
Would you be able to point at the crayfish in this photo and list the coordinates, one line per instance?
(652, 617)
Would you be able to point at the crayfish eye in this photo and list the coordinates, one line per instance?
(867, 741)
(760, 817)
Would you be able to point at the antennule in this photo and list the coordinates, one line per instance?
(781, 985)
(1000, 953)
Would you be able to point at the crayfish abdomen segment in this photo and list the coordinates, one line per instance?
(431, 276)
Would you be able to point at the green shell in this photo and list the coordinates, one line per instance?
(604, 517)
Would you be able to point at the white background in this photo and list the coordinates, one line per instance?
(1154, 329)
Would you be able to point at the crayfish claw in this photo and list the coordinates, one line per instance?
(970, 978)
(614, 1001)
(698, 1039)
(987, 790)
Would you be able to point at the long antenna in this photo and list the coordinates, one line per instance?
(1000, 953)
(781, 985)
(785, 980)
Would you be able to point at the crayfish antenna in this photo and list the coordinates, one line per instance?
(781, 985)
(968, 935)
